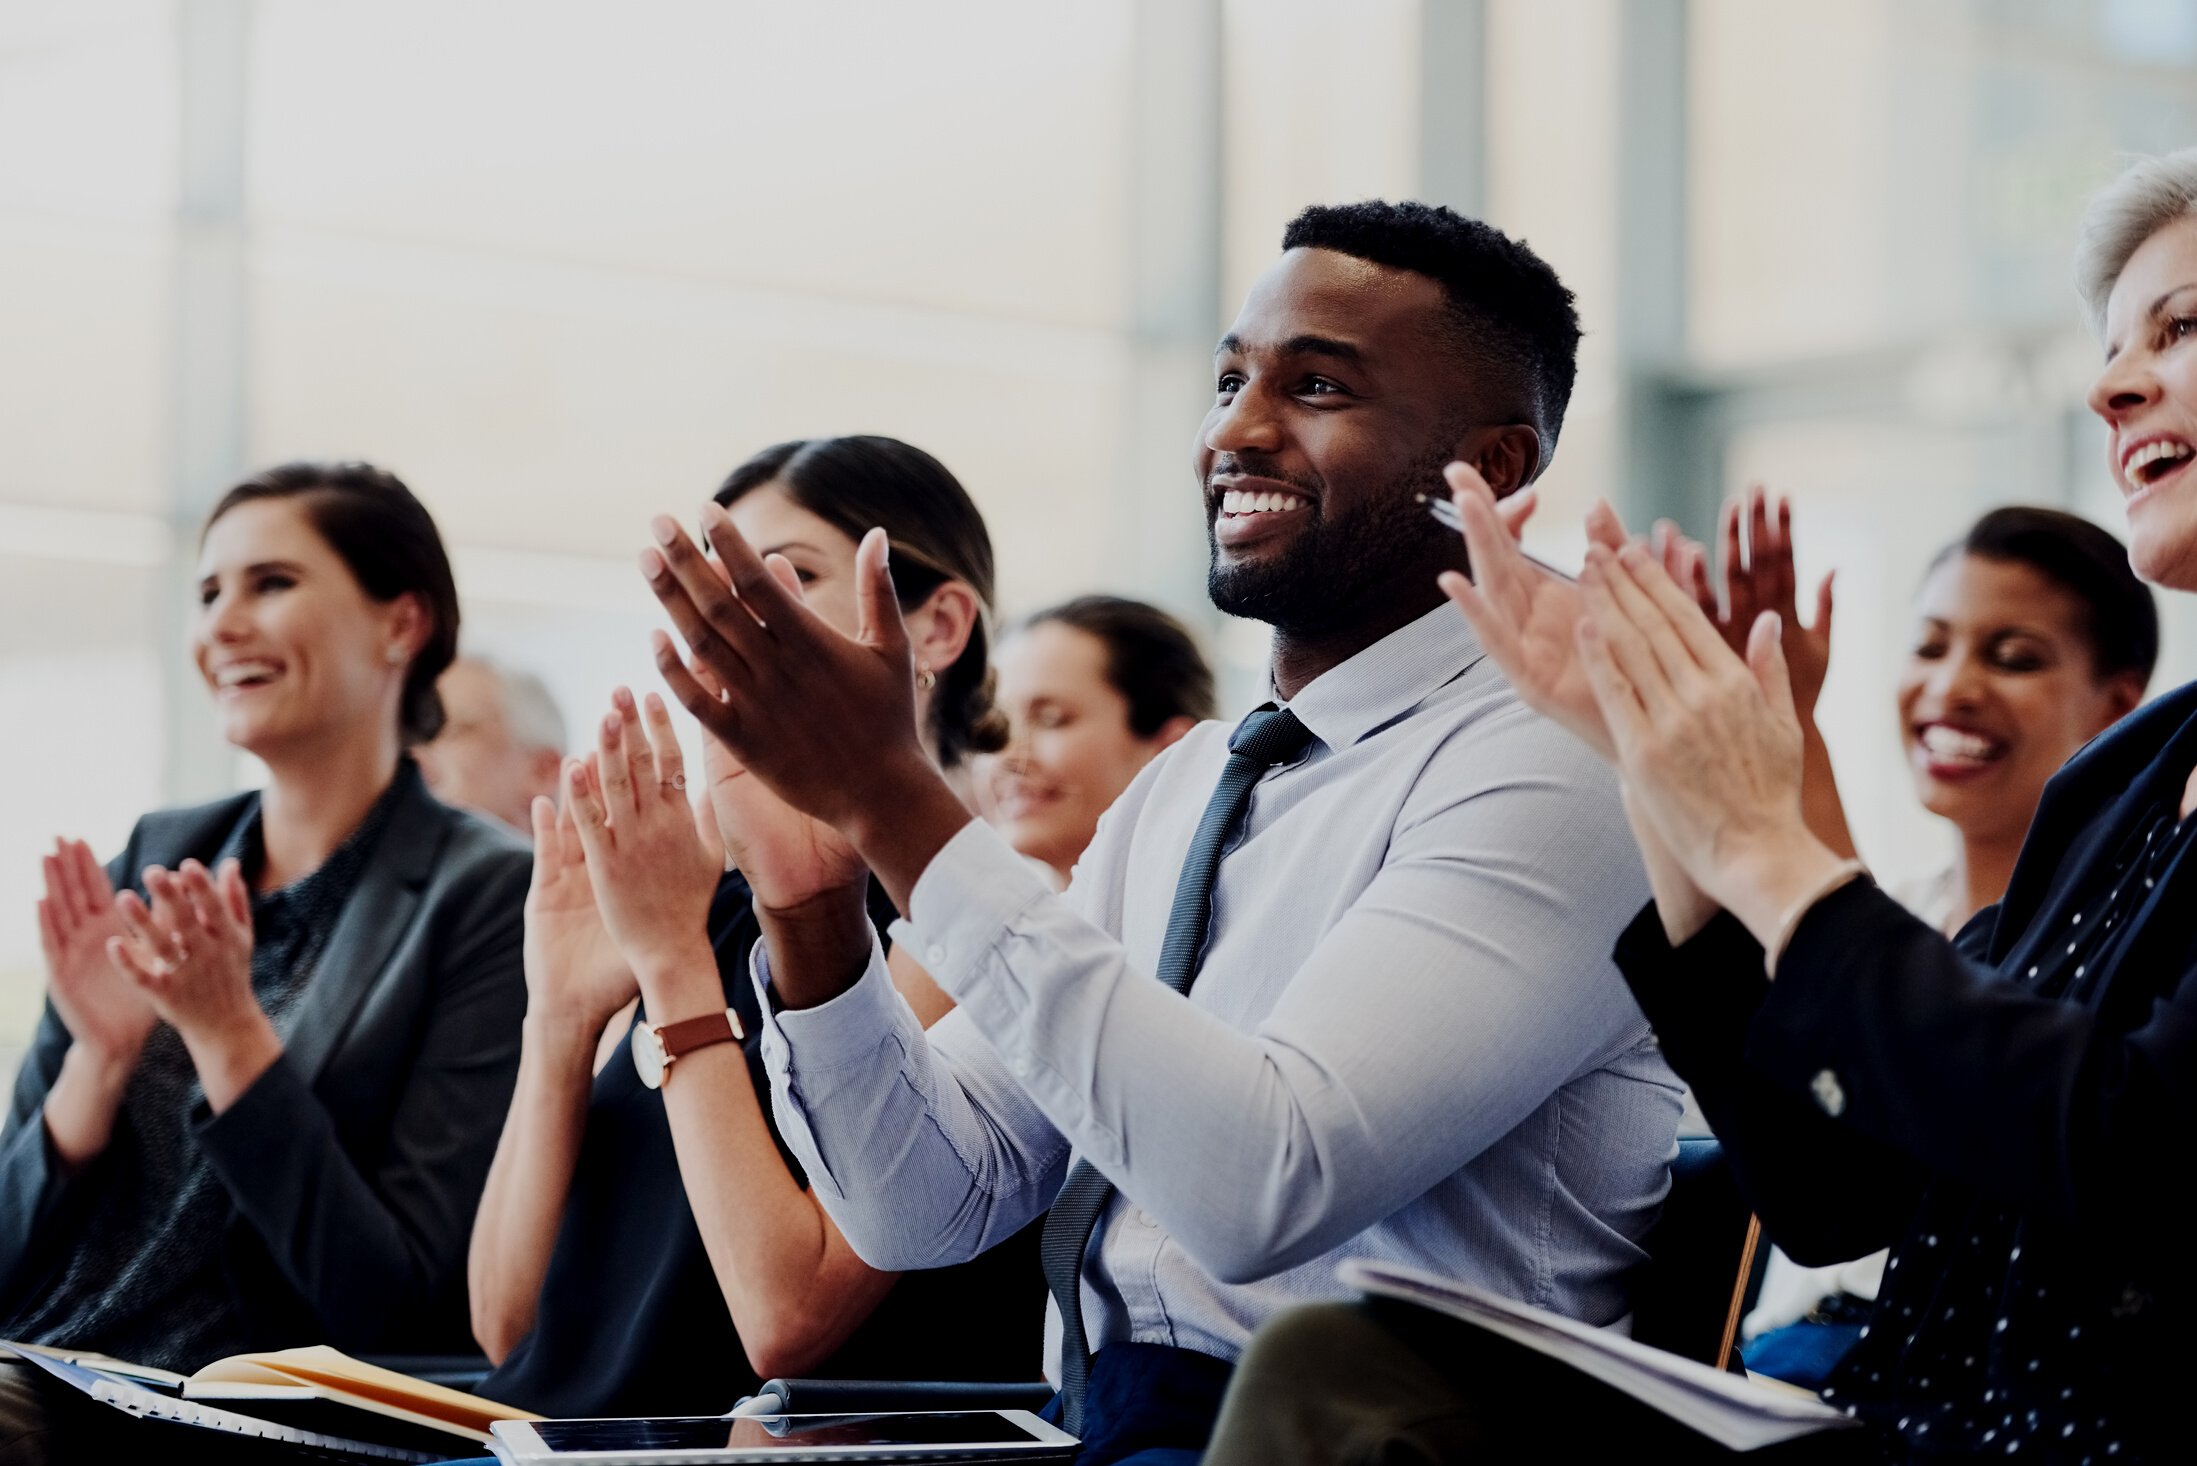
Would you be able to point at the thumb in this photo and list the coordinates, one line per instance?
(877, 605)
(1604, 528)
(1517, 509)
(232, 888)
(705, 828)
(1822, 623)
(588, 818)
(1766, 659)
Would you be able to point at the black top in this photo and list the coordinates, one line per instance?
(2009, 1112)
(333, 1200)
(630, 1320)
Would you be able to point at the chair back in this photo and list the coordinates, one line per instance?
(1687, 1296)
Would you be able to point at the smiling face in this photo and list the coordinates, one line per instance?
(1999, 692)
(294, 651)
(1071, 750)
(1335, 402)
(2147, 395)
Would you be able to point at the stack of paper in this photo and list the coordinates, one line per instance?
(1737, 1413)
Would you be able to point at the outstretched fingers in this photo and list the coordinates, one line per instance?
(877, 604)
(589, 819)
(700, 600)
(1614, 692)
(1766, 659)
(663, 740)
(610, 768)
(698, 691)
(1615, 606)
(634, 745)
(1679, 612)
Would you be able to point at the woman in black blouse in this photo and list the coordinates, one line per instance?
(262, 1099)
(644, 1251)
(2004, 1109)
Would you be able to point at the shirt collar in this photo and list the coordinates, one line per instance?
(1388, 679)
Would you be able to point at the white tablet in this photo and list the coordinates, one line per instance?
(932, 1435)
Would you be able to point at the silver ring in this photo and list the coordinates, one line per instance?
(678, 780)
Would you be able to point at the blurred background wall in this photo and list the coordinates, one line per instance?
(561, 265)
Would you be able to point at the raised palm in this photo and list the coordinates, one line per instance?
(1526, 617)
(1763, 579)
(572, 965)
(97, 1003)
(787, 857)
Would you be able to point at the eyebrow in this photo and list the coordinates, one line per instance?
(789, 545)
(2153, 312)
(1302, 345)
(259, 567)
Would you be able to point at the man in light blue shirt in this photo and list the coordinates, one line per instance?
(1405, 1038)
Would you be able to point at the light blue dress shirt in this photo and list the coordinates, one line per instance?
(1406, 1041)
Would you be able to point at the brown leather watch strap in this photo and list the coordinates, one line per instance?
(689, 1034)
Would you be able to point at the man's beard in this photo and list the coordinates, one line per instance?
(1334, 565)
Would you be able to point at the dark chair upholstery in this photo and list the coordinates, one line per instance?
(1686, 1296)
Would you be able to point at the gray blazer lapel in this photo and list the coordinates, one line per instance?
(378, 915)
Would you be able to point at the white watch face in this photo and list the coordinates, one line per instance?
(649, 1059)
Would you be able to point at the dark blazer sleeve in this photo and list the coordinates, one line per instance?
(1825, 1193)
(36, 1195)
(2027, 1098)
(374, 1244)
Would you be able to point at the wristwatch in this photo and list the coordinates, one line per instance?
(655, 1047)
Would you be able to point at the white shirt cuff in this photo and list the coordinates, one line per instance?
(968, 896)
(840, 1033)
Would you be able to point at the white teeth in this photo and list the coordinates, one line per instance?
(1953, 743)
(238, 673)
(1240, 501)
(2151, 453)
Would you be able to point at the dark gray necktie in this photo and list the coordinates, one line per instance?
(1267, 737)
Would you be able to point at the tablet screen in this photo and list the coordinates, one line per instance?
(708, 1433)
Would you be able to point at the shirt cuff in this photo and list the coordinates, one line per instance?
(968, 896)
(840, 1033)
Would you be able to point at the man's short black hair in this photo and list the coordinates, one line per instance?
(1513, 319)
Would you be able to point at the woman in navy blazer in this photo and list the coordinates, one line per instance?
(268, 1082)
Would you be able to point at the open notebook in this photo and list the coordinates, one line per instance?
(1737, 1413)
(314, 1396)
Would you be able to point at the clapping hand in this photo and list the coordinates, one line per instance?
(98, 1004)
(1763, 579)
(1527, 618)
(1709, 744)
(825, 719)
(789, 859)
(575, 974)
(190, 953)
(653, 860)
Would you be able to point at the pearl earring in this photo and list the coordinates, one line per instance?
(393, 655)
(925, 679)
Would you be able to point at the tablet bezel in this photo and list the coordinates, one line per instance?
(517, 1442)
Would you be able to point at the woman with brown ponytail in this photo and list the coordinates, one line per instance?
(653, 1248)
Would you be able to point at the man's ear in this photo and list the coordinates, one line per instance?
(940, 628)
(1508, 456)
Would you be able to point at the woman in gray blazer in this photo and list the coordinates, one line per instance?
(269, 1078)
